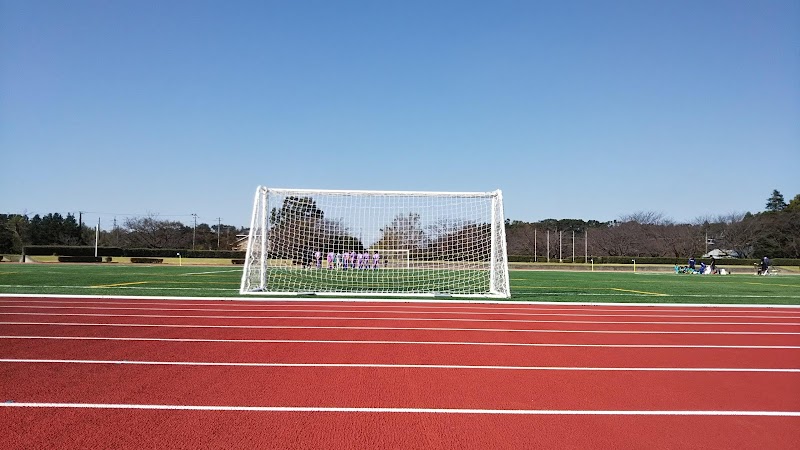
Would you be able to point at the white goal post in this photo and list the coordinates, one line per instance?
(376, 243)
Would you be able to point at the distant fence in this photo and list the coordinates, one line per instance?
(83, 250)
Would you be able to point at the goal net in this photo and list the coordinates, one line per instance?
(383, 243)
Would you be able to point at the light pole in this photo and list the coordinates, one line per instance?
(219, 224)
(194, 230)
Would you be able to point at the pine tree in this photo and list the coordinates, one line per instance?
(775, 202)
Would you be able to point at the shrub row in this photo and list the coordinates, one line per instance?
(80, 259)
(147, 260)
(657, 260)
(65, 250)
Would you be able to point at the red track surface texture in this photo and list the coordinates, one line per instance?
(123, 373)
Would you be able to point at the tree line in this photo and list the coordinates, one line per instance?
(20, 230)
(774, 232)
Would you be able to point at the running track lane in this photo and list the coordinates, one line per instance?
(47, 428)
(397, 387)
(494, 432)
(410, 334)
(398, 353)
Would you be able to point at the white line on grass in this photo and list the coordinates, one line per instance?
(404, 319)
(27, 305)
(397, 366)
(363, 342)
(321, 409)
(210, 272)
(491, 330)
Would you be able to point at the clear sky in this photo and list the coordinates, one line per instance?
(575, 109)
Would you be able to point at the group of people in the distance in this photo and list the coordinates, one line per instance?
(762, 268)
(702, 269)
(347, 260)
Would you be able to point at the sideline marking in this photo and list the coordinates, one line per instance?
(118, 284)
(27, 305)
(657, 294)
(560, 412)
(772, 284)
(397, 366)
(402, 319)
(321, 341)
(289, 327)
(210, 272)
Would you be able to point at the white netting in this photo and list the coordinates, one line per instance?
(376, 243)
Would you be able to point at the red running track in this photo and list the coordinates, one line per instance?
(407, 387)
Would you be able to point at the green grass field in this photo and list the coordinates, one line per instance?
(215, 281)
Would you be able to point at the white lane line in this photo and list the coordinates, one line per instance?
(398, 366)
(350, 311)
(322, 409)
(405, 304)
(404, 319)
(367, 342)
(490, 330)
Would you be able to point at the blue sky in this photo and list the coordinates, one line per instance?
(575, 109)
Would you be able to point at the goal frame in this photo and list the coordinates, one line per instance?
(499, 286)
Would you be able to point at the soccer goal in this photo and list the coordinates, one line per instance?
(380, 243)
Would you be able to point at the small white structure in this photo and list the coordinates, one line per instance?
(720, 253)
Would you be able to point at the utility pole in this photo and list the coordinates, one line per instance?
(586, 246)
(219, 222)
(560, 259)
(548, 245)
(80, 227)
(194, 230)
(573, 245)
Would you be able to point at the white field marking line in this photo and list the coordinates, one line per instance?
(544, 294)
(367, 342)
(491, 330)
(412, 303)
(209, 272)
(324, 409)
(115, 308)
(406, 319)
(397, 366)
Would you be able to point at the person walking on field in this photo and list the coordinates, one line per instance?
(764, 266)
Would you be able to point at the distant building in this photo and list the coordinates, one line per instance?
(720, 253)
(241, 242)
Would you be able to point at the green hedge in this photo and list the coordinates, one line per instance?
(70, 250)
(147, 260)
(80, 259)
(173, 252)
(656, 260)
(86, 250)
